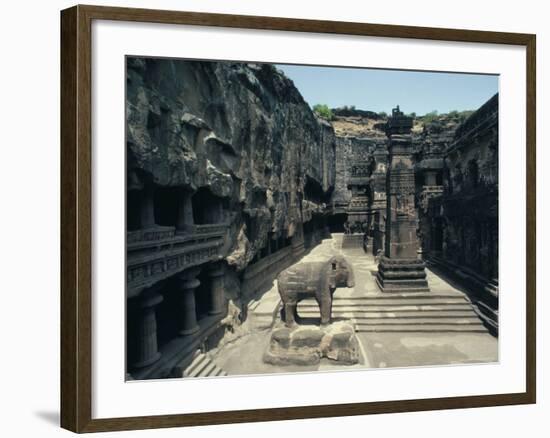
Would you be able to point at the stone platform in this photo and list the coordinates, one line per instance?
(402, 275)
(440, 309)
(308, 344)
(440, 327)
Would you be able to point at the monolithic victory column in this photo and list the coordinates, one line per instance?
(400, 269)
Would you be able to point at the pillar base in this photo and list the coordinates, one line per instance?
(189, 331)
(147, 362)
(402, 275)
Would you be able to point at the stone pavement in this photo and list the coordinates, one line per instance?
(387, 345)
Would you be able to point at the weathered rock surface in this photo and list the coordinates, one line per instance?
(306, 345)
(241, 132)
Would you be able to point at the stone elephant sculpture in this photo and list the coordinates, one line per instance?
(313, 279)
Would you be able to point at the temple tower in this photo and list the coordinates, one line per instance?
(400, 269)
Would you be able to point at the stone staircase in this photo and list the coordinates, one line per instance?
(263, 310)
(352, 241)
(203, 366)
(402, 312)
(492, 287)
(484, 290)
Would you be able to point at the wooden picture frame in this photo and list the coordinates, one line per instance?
(76, 217)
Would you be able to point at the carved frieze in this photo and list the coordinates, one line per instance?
(149, 261)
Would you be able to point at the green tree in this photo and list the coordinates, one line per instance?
(383, 114)
(430, 117)
(323, 111)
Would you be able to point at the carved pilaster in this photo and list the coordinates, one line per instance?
(147, 347)
(189, 284)
(185, 211)
(217, 293)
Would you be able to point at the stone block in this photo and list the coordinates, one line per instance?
(306, 345)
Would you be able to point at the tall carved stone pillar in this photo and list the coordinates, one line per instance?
(189, 283)
(185, 212)
(147, 208)
(400, 269)
(147, 347)
(217, 293)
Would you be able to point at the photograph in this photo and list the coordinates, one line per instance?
(285, 218)
(275, 219)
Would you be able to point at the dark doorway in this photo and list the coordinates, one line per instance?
(336, 222)
(166, 206)
(207, 207)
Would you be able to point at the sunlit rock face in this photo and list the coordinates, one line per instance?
(240, 134)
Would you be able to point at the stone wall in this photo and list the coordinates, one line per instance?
(226, 166)
(240, 131)
(462, 218)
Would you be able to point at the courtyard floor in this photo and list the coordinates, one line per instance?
(379, 349)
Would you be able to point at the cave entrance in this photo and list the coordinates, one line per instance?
(207, 207)
(133, 210)
(313, 191)
(167, 313)
(166, 205)
(336, 222)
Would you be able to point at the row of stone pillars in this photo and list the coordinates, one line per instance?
(185, 219)
(147, 345)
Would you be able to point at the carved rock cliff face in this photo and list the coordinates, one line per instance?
(241, 133)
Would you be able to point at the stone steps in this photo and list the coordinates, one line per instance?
(203, 366)
(391, 304)
(403, 312)
(422, 328)
(344, 294)
(352, 241)
(425, 320)
(396, 310)
(263, 311)
(367, 315)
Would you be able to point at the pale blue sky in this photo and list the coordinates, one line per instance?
(381, 90)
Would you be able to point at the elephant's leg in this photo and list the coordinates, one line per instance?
(290, 314)
(325, 305)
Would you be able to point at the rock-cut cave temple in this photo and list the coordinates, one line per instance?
(232, 178)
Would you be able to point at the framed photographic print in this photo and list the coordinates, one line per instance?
(317, 216)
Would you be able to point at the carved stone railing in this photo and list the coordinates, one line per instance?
(358, 203)
(339, 207)
(209, 229)
(432, 190)
(264, 270)
(149, 261)
(151, 234)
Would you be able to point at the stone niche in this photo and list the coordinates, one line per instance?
(308, 344)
